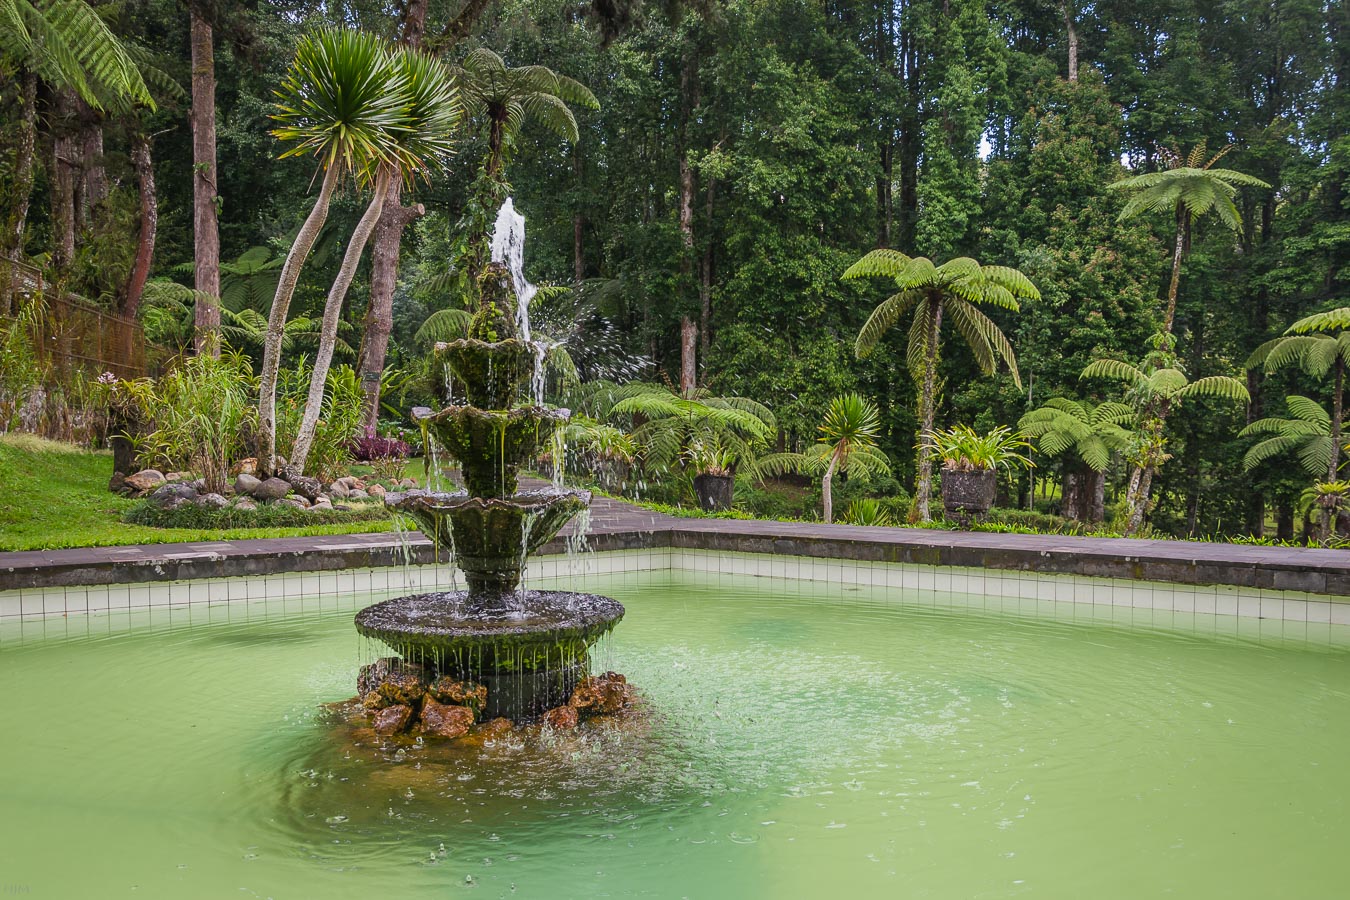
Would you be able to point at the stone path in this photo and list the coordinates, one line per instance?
(616, 525)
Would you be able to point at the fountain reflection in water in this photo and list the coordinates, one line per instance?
(530, 650)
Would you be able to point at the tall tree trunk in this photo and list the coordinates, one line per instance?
(145, 245)
(1097, 511)
(1333, 467)
(688, 330)
(706, 278)
(276, 320)
(1178, 252)
(379, 322)
(688, 369)
(1071, 501)
(94, 173)
(332, 312)
(927, 413)
(11, 241)
(63, 175)
(1072, 29)
(205, 229)
(826, 489)
(578, 224)
(384, 256)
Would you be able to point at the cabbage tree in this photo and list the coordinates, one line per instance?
(341, 102)
(847, 444)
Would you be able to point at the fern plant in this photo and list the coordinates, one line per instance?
(1089, 436)
(1190, 188)
(1157, 388)
(702, 434)
(932, 296)
(1306, 433)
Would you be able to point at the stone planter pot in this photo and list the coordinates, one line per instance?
(968, 495)
(714, 491)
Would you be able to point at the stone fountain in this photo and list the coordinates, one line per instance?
(529, 649)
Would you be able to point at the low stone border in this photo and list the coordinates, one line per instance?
(619, 526)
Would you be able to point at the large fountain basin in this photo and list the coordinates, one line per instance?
(530, 657)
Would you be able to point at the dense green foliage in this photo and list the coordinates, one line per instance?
(743, 154)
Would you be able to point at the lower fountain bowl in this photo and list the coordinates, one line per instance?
(529, 655)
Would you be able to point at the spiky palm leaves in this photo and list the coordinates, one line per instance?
(1307, 433)
(1157, 391)
(930, 294)
(419, 138)
(704, 434)
(1188, 190)
(847, 444)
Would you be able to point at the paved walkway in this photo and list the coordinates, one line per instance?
(616, 525)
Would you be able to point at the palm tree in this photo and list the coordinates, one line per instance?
(954, 291)
(1189, 189)
(341, 101)
(421, 140)
(1158, 388)
(1092, 433)
(1309, 345)
(66, 44)
(505, 99)
(1307, 432)
(847, 444)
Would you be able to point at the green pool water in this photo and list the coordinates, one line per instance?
(804, 741)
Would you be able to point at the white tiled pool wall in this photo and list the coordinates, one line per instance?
(991, 589)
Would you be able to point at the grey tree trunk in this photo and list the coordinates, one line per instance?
(827, 487)
(205, 229)
(927, 413)
(64, 174)
(379, 321)
(276, 320)
(688, 367)
(1072, 29)
(1178, 253)
(332, 312)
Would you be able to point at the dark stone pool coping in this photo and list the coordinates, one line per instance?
(621, 526)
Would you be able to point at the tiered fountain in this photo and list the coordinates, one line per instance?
(529, 649)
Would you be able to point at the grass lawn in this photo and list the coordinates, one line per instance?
(56, 495)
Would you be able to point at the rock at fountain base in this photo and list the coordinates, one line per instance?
(562, 718)
(447, 689)
(444, 720)
(392, 719)
(602, 694)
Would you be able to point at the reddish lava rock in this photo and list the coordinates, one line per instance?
(392, 719)
(461, 693)
(562, 718)
(396, 681)
(602, 694)
(444, 720)
(496, 728)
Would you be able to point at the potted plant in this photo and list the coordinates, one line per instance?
(715, 473)
(970, 464)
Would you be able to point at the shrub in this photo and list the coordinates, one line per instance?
(192, 516)
(339, 420)
(371, 446)
(200, 416)
(866, 511)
